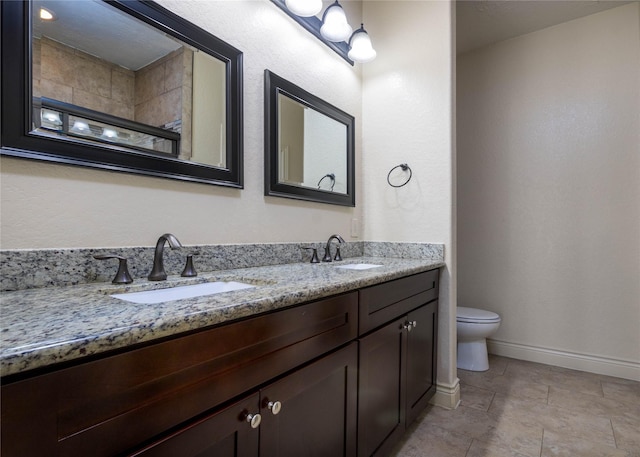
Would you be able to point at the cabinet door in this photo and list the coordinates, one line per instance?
(316, 411)
(381, 400)
(109, 405)
(226, 433)
(421, 358)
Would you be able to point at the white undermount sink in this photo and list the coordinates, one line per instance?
(181, 292)
(358, 266)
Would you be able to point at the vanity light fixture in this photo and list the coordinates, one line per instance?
(51, 116)
(47, 15)
(335, 27)
(304, 8)
(344, 43)
(360, 47)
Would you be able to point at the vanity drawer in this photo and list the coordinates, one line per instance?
(108, 406)
(384, 302)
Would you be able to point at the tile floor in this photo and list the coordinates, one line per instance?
(526, 409)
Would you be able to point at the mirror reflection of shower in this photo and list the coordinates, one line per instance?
(145, 91)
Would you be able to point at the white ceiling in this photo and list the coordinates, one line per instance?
(98, 29)
(483, 22)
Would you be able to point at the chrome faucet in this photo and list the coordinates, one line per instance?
(327, 249)
(158, 273)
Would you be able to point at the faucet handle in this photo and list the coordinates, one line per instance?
(337, 257)
(189, 270)
(314, 256)
(122, 276)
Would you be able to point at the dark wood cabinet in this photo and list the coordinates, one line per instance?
(225, 433)
(397, 360)
(337, 377)
(111, 405)
(381, 407)
(317, 416)
(309, 413)
(421, 359)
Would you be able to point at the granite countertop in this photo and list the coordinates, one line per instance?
(42, 327)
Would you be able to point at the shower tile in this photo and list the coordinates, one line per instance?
(174, 70)
(123, 84)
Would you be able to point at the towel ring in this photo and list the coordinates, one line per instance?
(332, 177)
(404, 167)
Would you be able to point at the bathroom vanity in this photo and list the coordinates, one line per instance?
(317, 361)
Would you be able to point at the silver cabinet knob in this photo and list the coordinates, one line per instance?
(274, 406)
(254, 420)
(410, 325)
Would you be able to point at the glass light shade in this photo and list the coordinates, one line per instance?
(109, 134)
(304, 8)
(361, 49)
(80, 127)
(51, 116)
(334, 24)
(50, 120)
(47, 15)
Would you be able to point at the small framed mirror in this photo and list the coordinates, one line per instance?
(309, 146)
(123, 86)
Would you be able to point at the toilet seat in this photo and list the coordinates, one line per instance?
(478, 316)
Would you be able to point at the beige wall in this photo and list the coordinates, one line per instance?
(549, 191)
(407, 108)
(56, 206)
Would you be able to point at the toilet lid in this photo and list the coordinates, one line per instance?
(476, 315)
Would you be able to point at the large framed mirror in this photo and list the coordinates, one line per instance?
(309, 146)
(120, 85)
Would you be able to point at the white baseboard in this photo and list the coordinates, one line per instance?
(583, 362)
(447, 396)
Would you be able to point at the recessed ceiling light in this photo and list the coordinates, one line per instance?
(47, 15)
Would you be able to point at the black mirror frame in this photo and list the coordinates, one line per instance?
(274, 85)
(16, 99)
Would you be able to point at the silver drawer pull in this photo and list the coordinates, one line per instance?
(254, 420)
(274, 406)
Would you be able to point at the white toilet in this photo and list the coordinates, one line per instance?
(474, 326)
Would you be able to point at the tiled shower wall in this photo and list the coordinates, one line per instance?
(72, 76)
(163, 94)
